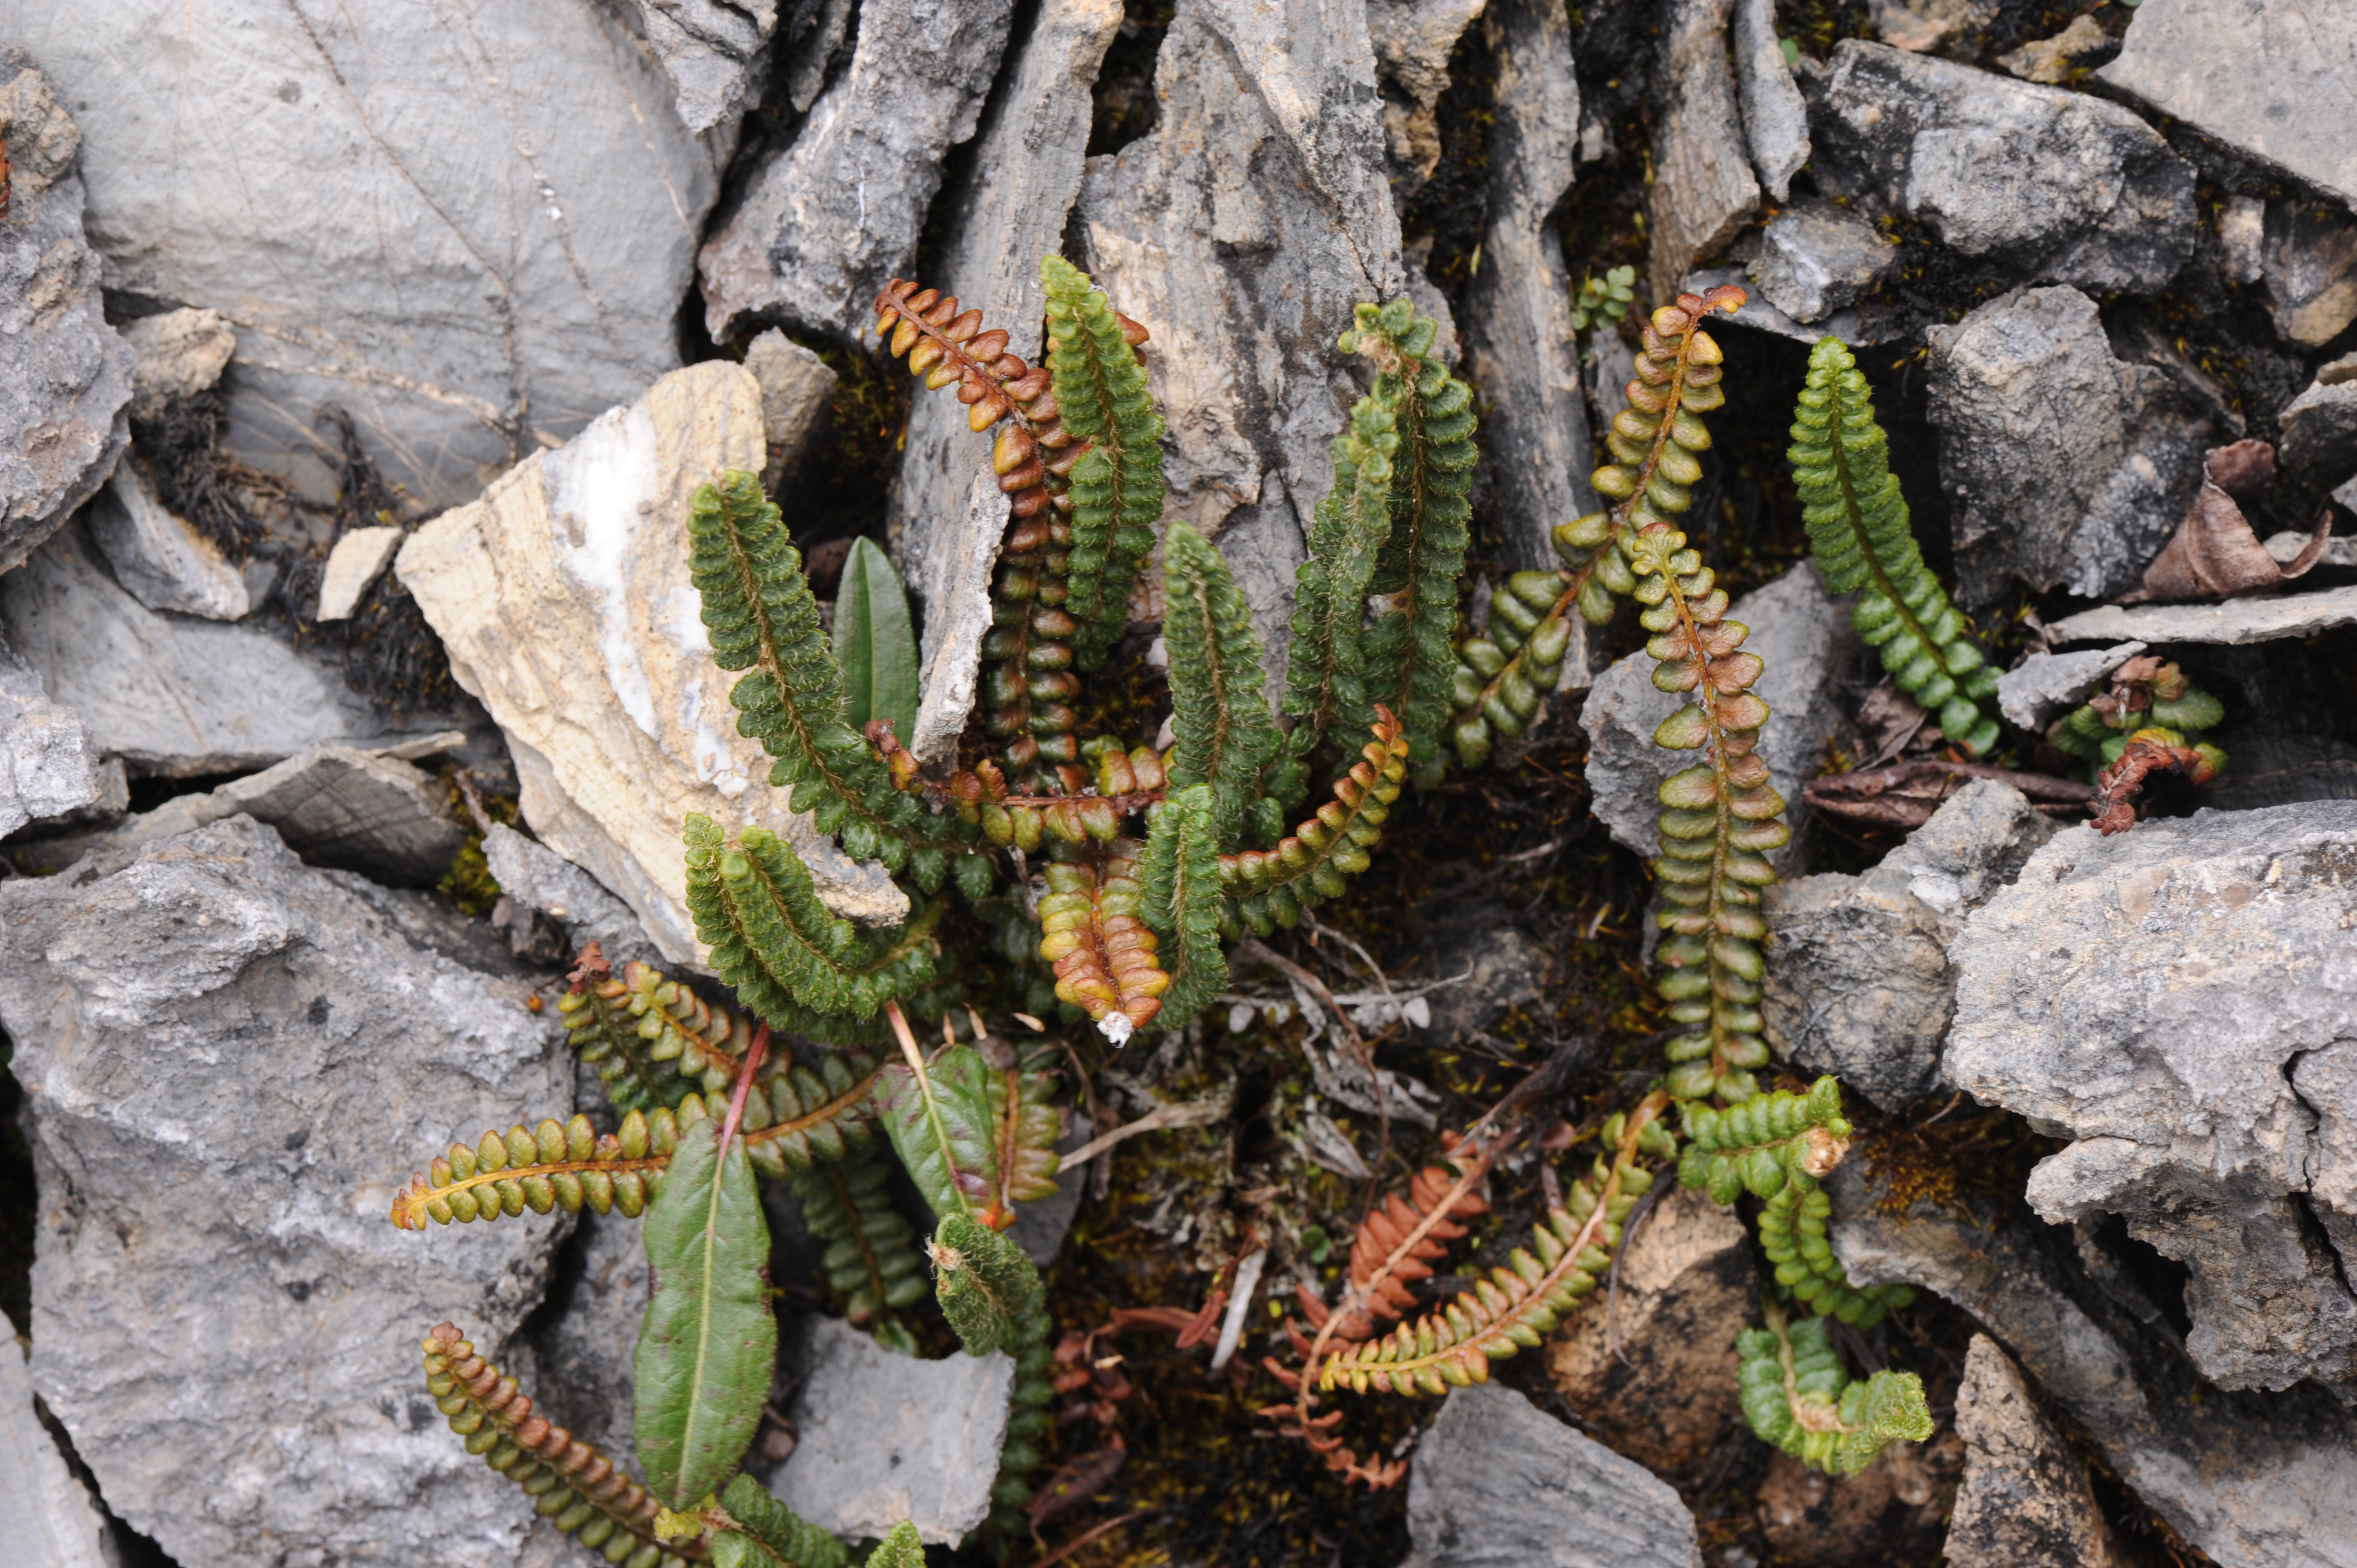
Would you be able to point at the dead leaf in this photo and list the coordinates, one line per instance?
(2216, 554)
(2149, 751)
(1889, 719)
(1905, 794)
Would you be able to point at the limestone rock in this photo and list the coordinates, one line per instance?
(1703, 192)
(1494, 965)
(1923, 27)
(164, 564)
(797, 402)
(2284, 548)
(2235, 622)
(2308, 257)
(2320, 428)
(1498, 1482)
(1815, 257)
(2048, 60)
(886, 1437)
(524, 173)
(2177, 1000)
(1775, 116)
(1801, 633)
(2024, 1502)
(1026, 174)
(357, 560)
(957, 618)
(1413, 39)
(230, 1060)
(48, 766)
(717, 53)
(2059, 186)
(181, 353)
(1522, 357)
(828, 219)
(66, 375)
(585, 1338)
(2270, 76)
(2045, 686)
(1859, 326)
(584, 549)
(1658, 1382)
(2066, 465)
(1862, 987)
(539, 878)
(814, 34)
(48, 1522)
(167, 694)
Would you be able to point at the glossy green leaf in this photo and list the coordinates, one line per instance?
(875, 642)
(708, 1344)
(940, 1125)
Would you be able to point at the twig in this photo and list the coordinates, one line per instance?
(1250, 948)
(1083, 1540)
(470, 792)
(1187, 1113)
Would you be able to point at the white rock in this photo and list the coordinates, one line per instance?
(2236, 622)
(47, 1521)
(48, 766)
(181, 352)
(166, 563)
(563, 598)
(353, 566)
(957, 618)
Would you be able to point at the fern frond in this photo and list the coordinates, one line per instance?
(1092, 930)
(1217, 715)
(573, 1487)
(599, 1027)
(788, 958)
(1183, 900)
(805, 1115)
(871, 1261)
(1501, 676)
(1857, 525)
(1326, 674)
(1797, 1398)
(768, 1534)
(1396, 1245)
(762, 616)
(555, 1167)
(1025, 1125)
(903, 1548)
(1410, 651)
(993, 1298)
(1117, 490)
(1272, 887)
(677, 1025)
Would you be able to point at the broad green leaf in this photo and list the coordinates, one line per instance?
(875, 642)
(708, 1344)
(988, 1289)
(941, 1124)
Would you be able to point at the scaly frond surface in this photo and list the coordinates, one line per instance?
(768, 1534)
(1093, 929)
(1183, 901)
(991, 1294)
(1325, 667)
(1098, 382)
(601, 1029)
(1797, 1398)
(1219, 717)
(871, 1261)
(1271, 887)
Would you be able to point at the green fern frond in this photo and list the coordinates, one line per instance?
(1326, 677)
(1116, 489)
(768, 1534)
(1797, 1398)
(553, 1167)
(1183, 900)
(1025, 1125)
(1501, 675)
(1858, 529)
(871, 1260)
(1217, 715)
(1271, 887)
(993, 1298)
(903, 1548)
(604, 1032)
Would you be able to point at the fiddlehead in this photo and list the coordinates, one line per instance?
(1271, 887)
(1797, 1397)
(1858, 529)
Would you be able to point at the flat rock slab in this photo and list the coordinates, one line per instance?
(886, 1437)
(2235, 622)
(584, 549)
(1498, 1482)
(2045, 686)
(2025, 1502)
(510, 225)
(166, 563)
(359, 558)
(231, 1063)
(49, 1521)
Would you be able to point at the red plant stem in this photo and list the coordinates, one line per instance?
(754, 1056)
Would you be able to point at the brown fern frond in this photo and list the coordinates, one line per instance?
(1272, 887)
(1091, 929)
(573, 1487)
(1398, 1243)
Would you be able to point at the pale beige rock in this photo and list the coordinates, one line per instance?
(181, 352)
(2025, 1502)
(957, 618)
(352, 566)
(1413, 39)
(563, 598)
(2048, 60)
(1703, 189)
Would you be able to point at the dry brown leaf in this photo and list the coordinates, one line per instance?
(2216, 554)
(1905, 794)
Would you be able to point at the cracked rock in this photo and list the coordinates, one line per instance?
(539, 878)
(48, 766)
(181, 353)
(797, 402)
(2179, 1000)
(2045, 686)
(1413, 39)
(48, 1522)
(586, 548)
(2308, 257)
(230, 1060)
(717, 53)
(1775, 116)
(826, 221)
(1814, 258)
(1862, 987)
(66, 377)
(2025, 1502)
(2320, 428)
(2058, 185)
(1703, 192)
(2270, 76)
(2067, 467)
(2235, 622)
(438, 227)
(164, 564)
(958, 617)
(1496, 1481)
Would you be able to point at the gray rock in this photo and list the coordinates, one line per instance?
(1521, 356)
(2066, 465)
(1861, 985)
(1801, 634)
(1012, 211)
(164, 564)
(47, 765)
(2279, 769)
(1703, 192)
(357, 560)
(1775, 116)
(1498, 1482)
(167, 694)
(2319, 429)
(1241, 231)
(827, 220)
(2045, 686)
(2270, 76)
(585, 1338)
(231, 1061)
(1859, 326)
(886, 1437)
(2308, 256)
(2176, 999)
(524, 174)
(2025, 1502)
(813, 38)
(2235, 622)
(539, 878)
(717, 53)
(1815, 257)
(48, 1522)
(2256, 1481)
(181, 353)
(957, 618)
(797, 400)
(2049, 59)
(1040, 1225)
(1482, 964)
(2284, 548)
(67, 375)
(2060, 187)
(1413, 39)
